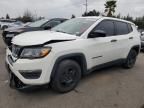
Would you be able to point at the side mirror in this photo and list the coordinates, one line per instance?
(47, 27)
(142, 33)
(97, 33)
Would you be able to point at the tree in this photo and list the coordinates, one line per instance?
(2, 18)
(139, 21)
(40, 18)
(92, 13)
(73, 16)
(7, 16)
(110, 6)
(118, 16)
(128, 18)
(27, 16)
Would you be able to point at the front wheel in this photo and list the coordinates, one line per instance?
(67, 76)
(4, 27)
(131, 59)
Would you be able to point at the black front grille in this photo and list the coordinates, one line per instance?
(16, 50)
(6, 39)
(33, 74)
(7, 32)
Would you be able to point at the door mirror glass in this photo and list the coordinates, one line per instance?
(97, 33)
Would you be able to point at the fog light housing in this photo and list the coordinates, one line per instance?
(31, 74)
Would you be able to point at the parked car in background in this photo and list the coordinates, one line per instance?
(61, 56)
(7, 23)
(142, 41)
(44, 24)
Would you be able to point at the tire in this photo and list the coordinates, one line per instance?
(142, 50)
(131, 60)
(67, 76)
(4, 27)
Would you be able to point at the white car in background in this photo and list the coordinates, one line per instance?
(142, 41)
(7, 23)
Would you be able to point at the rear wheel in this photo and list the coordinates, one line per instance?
(142, 50)
(66, 76)
(131, 59)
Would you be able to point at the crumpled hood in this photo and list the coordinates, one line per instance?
(40, 37)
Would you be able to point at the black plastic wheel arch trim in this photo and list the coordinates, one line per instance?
(69, 56)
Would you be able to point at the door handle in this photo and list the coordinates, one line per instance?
(114, 40)
(130, 37)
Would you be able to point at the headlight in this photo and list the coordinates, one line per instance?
(32, 53)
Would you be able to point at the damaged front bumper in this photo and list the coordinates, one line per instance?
(24, 74)
(14, 81)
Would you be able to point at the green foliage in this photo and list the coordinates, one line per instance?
(27, 17)
(7, 16)
(92, 13)
(110, 6)
(73, 16)
(139, 21)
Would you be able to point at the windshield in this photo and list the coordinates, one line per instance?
(37, 23)
(75, 26)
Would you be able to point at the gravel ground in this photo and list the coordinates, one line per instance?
(113, 87)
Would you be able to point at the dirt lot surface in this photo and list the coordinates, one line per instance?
(114, 87)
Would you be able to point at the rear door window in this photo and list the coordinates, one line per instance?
(121, 28)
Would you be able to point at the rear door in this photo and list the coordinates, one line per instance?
(124, 37)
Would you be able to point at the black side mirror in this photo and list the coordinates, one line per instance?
(97, 33)
(47, 27)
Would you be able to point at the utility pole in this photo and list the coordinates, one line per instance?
(86, 4)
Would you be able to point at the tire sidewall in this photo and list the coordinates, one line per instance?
(131, 53)
(56, 85)
(4, 27)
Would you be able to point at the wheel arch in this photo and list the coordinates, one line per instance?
(78, 57)
(4, 26)
(136, 48)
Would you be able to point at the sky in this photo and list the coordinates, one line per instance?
(65, 8)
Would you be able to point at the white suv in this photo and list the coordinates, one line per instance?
(72, 49)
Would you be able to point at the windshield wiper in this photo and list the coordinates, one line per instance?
(60, 31)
